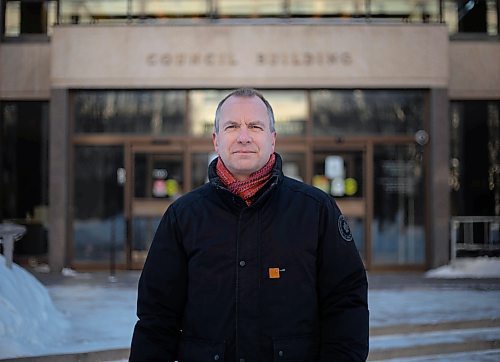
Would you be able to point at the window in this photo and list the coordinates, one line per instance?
(99, 223)
(24, 160)
(139, 112)
(467, 16)
(24, 172)
(29, 18)
(398, 222)
(475, 158)
(345, 112)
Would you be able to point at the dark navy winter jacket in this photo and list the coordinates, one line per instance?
(280, 280)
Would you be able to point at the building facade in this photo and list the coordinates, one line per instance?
(391, 107)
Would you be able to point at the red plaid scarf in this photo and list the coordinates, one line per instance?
(246, 189)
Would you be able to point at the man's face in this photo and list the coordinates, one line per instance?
(244, 141)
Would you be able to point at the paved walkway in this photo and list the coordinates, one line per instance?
(412, 318)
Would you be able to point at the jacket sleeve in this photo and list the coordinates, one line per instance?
(161, 295)
(342, 291)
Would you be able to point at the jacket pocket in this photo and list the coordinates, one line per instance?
(200, 350)
(295, 349)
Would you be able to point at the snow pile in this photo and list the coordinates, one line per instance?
(482, 267)
(28, 319)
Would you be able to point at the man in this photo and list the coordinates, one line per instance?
(252, 266)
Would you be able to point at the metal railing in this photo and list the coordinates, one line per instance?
(475, 234)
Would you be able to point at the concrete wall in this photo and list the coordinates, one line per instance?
(25, 71)
(475, 70)
(258, 55)
(297, 56)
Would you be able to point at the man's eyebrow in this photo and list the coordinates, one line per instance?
(259, 122)
(230, 122)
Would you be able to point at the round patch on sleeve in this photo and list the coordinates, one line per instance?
(344, 229)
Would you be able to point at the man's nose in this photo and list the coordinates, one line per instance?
(244, 136)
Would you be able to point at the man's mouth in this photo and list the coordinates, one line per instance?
(244, 152)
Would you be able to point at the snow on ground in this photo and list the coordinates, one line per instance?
(483, 267)
(29, 321)
(428, 338)
(482, 356)
(96, 314)
(429, 306)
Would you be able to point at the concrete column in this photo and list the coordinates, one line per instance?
(439, 191)
(58, 179)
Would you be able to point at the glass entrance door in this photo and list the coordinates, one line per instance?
(398, 225)
(341, 173)
(157, 179)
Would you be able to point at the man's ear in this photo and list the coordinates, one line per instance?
(214, 140)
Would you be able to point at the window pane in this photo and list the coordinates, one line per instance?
(23, 158)
(202, 106)
(294, 165)
(93, 11)
(99, 223)
(157, 175)
(199, 169)
(475, 158)
(139, 112)
(249, 8)
(358, 112)
(144, 229)
(398, 223)
(24, 172)
(413, 11)
(328, 7)
(339, 173)
(169, 8)
(471, 16)
(13, 18)
(290, 111)
(37, 17)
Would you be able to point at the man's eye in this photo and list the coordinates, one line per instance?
(231, 126)
(256, 126)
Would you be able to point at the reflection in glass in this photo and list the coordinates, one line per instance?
(169, 8)
(346, 112)
(93, 11)
(481, 17)
(475, 158)
(398, 223)
(199, 169)
(24, 164)
(294, 165)
(290, 111)
(99, 224)
(157, 175)
(109, 11)
(339, 173)
(423, 11)
(29, 17)
(144, 228)
(328, 7)
(202, 107)
(249, 7)
(140, 112)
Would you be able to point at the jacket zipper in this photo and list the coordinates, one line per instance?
(237, 342)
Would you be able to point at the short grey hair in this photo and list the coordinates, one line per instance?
(248, 93)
